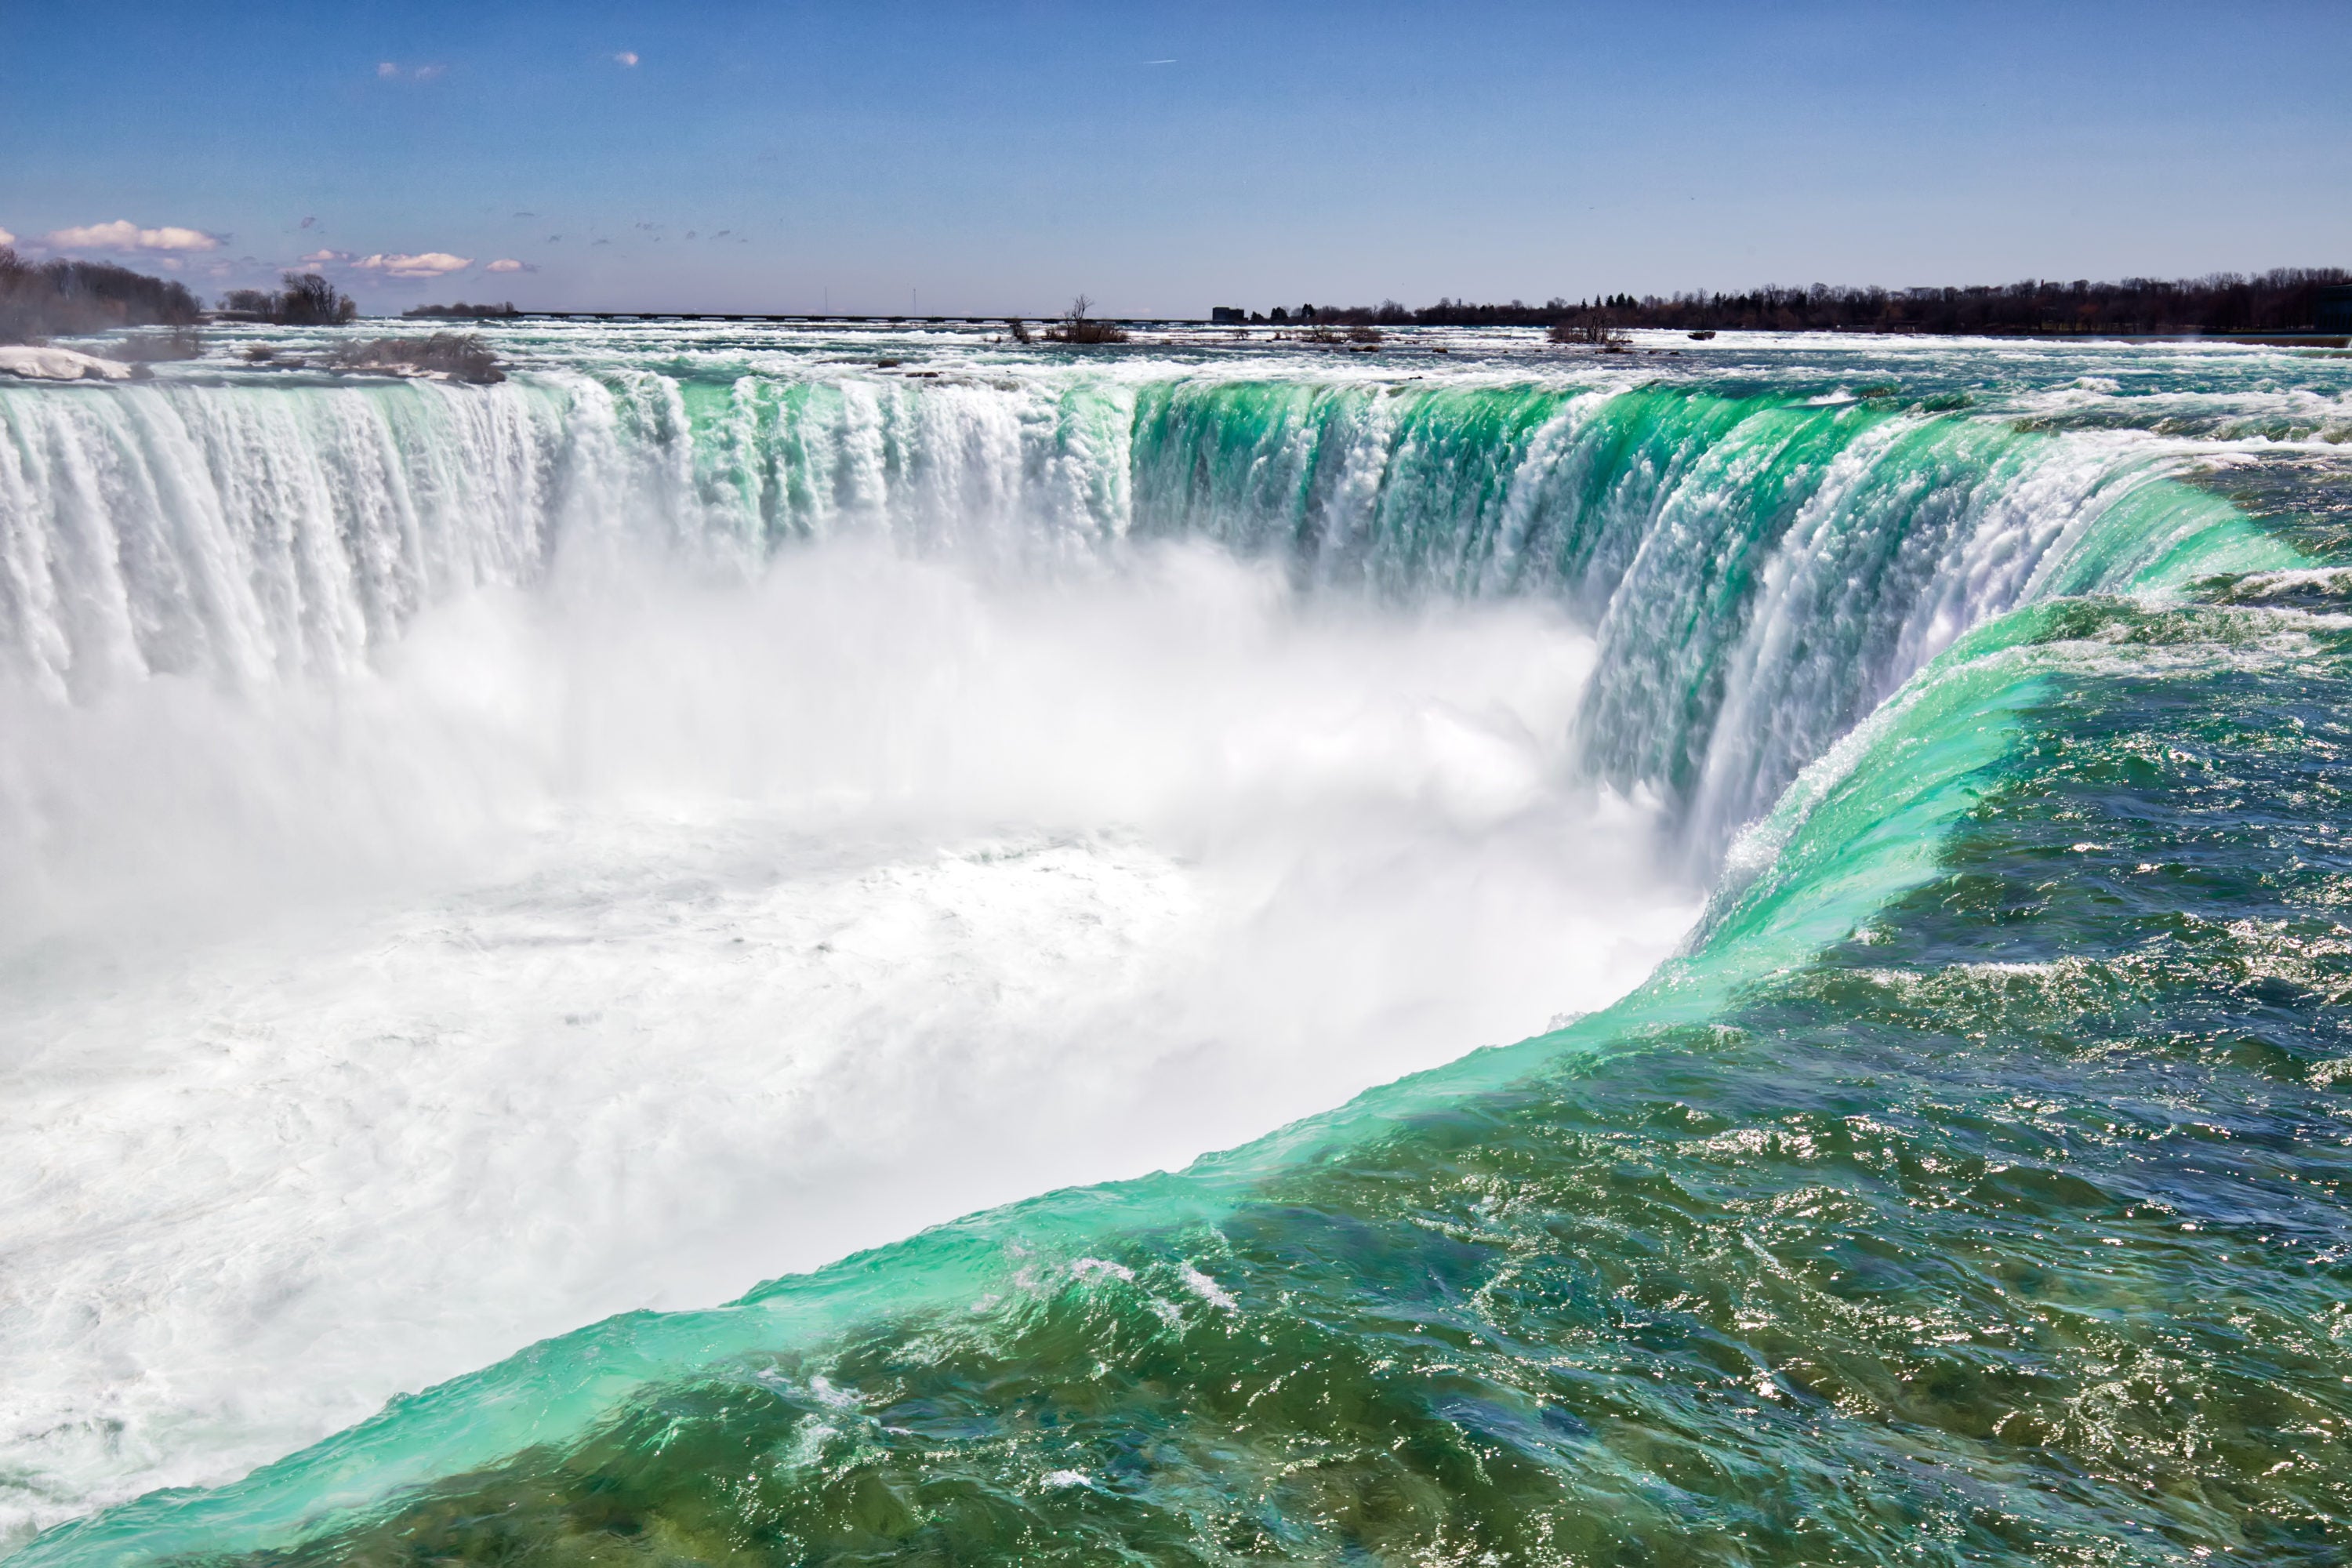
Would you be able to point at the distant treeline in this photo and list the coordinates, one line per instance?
(462, 311)
(55, 299)
(2285, 301)
(306, 300)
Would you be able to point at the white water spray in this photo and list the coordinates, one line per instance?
(618, 948)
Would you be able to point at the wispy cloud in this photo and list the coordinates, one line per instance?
(392, 70)
(327, 257)
(124, 235)
(509, 264)
(625, 57)
(310, 223)
(6, 239)
(424, 264)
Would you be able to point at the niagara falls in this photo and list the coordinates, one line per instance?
(905, 868)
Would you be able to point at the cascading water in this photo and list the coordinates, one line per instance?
(1759, 572)
(480, 859)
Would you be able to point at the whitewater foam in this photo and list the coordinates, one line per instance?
(767, 922)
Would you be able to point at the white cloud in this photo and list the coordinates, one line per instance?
(321, 258)
(428, 264)
(626, 57)
(387, 69)
(390, 71)
(509, 264)
(124, 235)
(6, 239)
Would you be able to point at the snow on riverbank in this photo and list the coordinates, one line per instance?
(60, 364)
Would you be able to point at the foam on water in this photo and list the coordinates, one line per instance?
(587, 960)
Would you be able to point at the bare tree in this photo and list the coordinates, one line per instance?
(310, 300)
(1077, 327)
(1592, 331)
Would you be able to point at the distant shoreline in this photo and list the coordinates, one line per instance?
(1263, 333)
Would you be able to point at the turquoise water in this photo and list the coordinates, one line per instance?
(1971, 1188)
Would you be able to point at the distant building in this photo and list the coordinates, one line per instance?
(1228, 315)
(2335, 310)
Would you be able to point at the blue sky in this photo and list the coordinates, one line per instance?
(1162, 158)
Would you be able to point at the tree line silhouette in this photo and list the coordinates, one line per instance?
(306, 300)
(51, 299)
(2285, 299)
